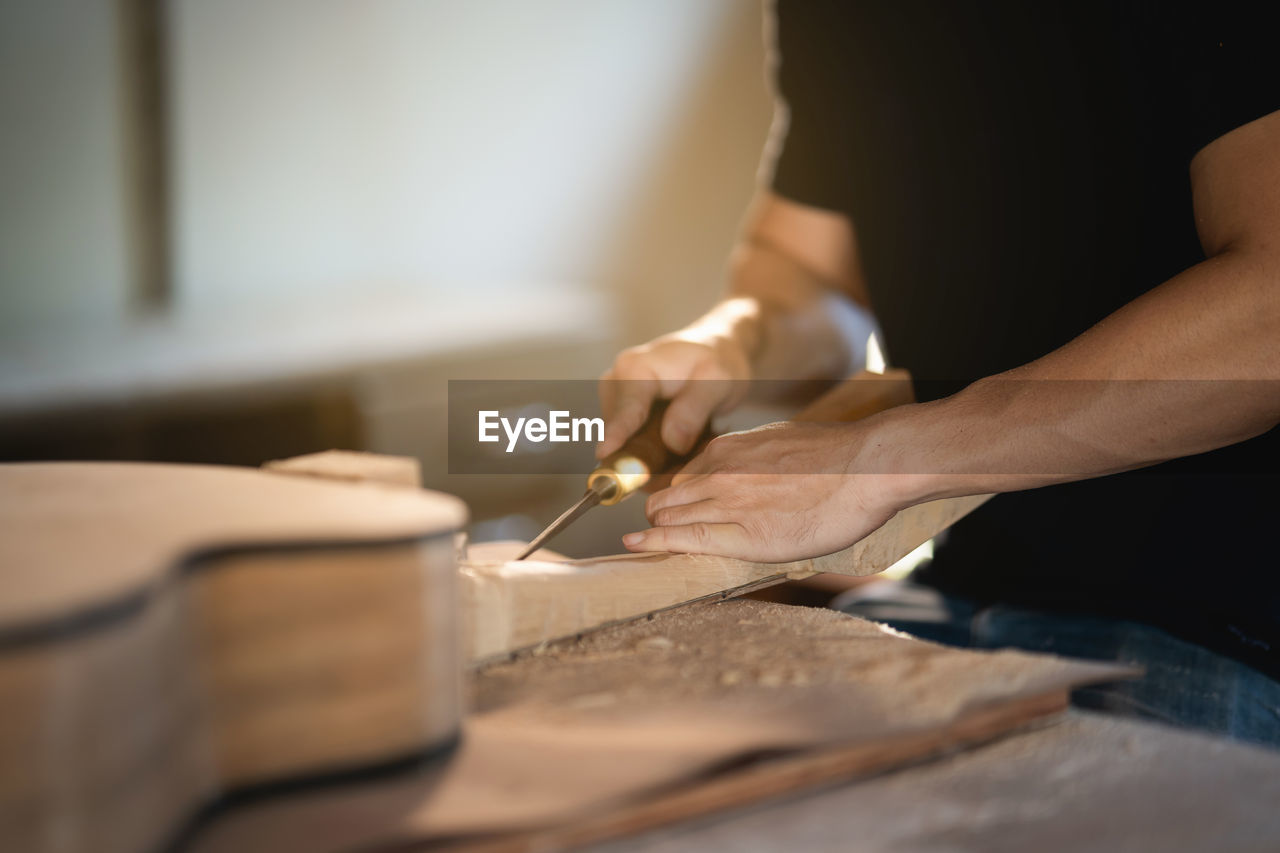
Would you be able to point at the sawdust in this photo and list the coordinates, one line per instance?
(737, 647)
(702, 690)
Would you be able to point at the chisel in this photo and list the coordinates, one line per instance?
(621, 474)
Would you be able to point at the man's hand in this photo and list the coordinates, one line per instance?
(781, 492)
(793, 281)
(703, 370)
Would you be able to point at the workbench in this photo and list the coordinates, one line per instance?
(745, 725)
(1084, 782)
(1069, 781)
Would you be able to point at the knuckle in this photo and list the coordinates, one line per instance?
(714, 370)
(700, 532)
(632, 361)
(627, 365)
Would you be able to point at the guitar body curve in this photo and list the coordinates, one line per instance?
(175, 637)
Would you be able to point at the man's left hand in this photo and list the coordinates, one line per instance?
(781, 492)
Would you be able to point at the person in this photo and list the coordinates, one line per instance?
(1065, 219)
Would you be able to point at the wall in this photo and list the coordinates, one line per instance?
(335, 151)
(63, 256)
(464, 147)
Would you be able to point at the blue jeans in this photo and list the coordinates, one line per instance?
(1185, 684)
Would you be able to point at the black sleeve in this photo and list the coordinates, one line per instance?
(1239, 64)
(810, 168)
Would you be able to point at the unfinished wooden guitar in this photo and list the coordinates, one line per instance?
(170, 635)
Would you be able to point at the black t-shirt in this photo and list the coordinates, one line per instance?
(1016, 170)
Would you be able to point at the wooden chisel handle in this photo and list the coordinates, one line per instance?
(643, 457)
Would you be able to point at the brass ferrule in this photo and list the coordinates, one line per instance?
(624, 476)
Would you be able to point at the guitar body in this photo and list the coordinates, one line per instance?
(174, 638)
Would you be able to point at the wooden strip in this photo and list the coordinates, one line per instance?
(861, 395)
(897, 538)
(514, 605)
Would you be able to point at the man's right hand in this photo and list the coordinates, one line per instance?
(701, 372)
(776, 323)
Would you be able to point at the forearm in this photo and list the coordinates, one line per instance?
(1191, 366)
(791, 325)
(804, 327)
(795, 302)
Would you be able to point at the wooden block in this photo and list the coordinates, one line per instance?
(514, 605)
(863, 394)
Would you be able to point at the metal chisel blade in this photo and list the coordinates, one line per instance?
(572, 514)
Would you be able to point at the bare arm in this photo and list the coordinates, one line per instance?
(799, 265)
(1190, 366)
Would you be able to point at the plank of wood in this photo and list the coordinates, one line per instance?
(515, 605)
(859, 396)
